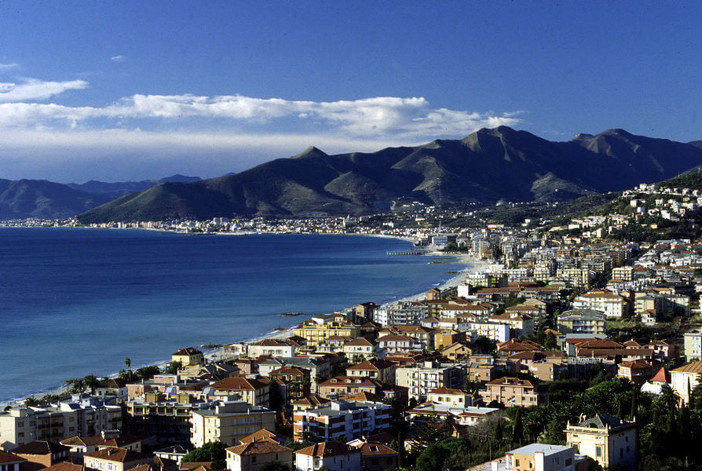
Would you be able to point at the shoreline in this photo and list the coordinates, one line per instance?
(467, 262)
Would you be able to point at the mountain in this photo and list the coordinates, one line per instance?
(117, 189)
(20, 199)
(487, 166)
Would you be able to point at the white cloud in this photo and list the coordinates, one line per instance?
(118, 58)
(369, 117)
(4, 67)
(33, 89)
(227, 133)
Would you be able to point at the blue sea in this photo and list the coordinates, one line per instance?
(75, 302)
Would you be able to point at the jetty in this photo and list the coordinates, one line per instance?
(406, 252)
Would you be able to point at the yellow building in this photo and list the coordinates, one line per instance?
(253, 391)
(228, 422)
(608, 440)
(445, 337)
(316, 334)
(188, 356)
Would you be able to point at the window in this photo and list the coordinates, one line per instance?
(598, 451)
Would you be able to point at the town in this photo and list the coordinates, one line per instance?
(567, 345)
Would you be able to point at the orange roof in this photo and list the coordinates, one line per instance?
(266, 446)
(238, 384)
(445, 390)
(661, 376)
(327, 449)
(694, 367)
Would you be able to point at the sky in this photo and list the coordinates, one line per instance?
(130, 90)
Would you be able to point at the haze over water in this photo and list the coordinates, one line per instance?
(75, 302)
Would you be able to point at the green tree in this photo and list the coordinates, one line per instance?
(517, 427)
(551, 343)
(174, 367)
(211, 451)
(147, 372)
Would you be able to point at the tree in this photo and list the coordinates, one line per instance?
(174, 367)
(211, 451)
(551, 343)
(128, 362)
(517, 427)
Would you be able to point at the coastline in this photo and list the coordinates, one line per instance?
(467, 263)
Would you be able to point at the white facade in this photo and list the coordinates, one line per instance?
(348, 462)
(493, 330)
(400, 313)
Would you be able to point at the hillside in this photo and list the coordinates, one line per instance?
(21, 199)
(487, 166)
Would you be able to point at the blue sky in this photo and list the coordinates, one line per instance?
(134, 90)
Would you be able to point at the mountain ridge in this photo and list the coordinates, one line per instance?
(487, 166)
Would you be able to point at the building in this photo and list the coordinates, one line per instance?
(513, 392)
(318, 333)
(583, 321)
(693, 345)
(252, 456)
(228, 422)
(272, 348)
(331, 456)
(445, 337)
(253, 391)
(540, 457)
(42, 452)
(380, 370)
(339, 386)
(429, 375)
(400, 343)
(378, 457)
(685, 378)
(608, 440)
(519, 323)
(10, 462)
(57, 421)
(457, 352)
(401, 313)
(188, 356)
(341, 420)
(298, 380)
(166, 416)
(114, 459)
(362, 348)
(614, 306)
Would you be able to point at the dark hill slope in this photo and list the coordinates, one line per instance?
(43, 199)
(488, 165)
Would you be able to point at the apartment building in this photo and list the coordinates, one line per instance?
(341, 420)
(228, 422)
(429, 375)
(57, 421)
(513, 392)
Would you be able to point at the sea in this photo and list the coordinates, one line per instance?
(77, 301)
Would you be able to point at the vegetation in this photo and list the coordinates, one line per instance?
(212, 451)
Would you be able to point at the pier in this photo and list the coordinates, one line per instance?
(406, 252)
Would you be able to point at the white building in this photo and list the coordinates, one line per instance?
(333, 456)
(613, 305)
(693, 343)
(425, 377)
(539, 457)
(685, 378)
(400, 313)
